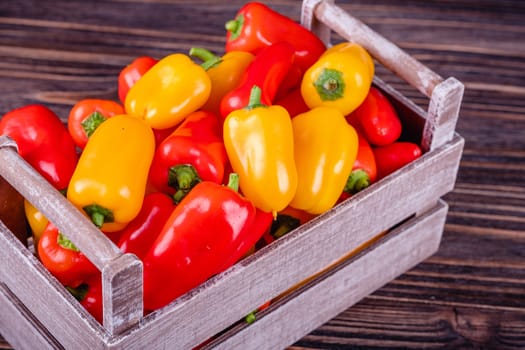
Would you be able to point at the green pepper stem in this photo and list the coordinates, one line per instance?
(234, 26)
(64, 242)
(330, 85)
(182, 178)
(250, 318)
(79, 292)
(98, 214)
(255, 98)
(92, 122)
(209, 58)
(357, 181)
(233, 182)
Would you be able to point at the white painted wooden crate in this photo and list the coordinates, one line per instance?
(36, 312)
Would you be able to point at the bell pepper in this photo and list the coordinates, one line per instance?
(109, 181)
(364, 170)
(268, 70)
(340, 80)
(256, 26)
(62, 259)
(130, 74)
(378, 119)
(259, 143)
(293, 102)
(325, 148)
(392, 157)
(89, 294)
(86, 115)
(210, 230)
(192, 153)
(170, 90)
(141, 232)
(43, 141)
(225, 73)
(354, 49)
(36, 220)
(286, 220)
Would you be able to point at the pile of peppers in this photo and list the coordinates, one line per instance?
(202, 158)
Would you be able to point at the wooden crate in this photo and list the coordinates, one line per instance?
(341, 248)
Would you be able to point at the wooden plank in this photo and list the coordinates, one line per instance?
(262, 276)
(45, 298)
(20, 327)
(343, 286)
(121, 274)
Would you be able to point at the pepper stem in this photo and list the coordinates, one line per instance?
(255, 98)
(234, 26)
(233, 182)
(64, 242)
(209, 59)
(79, 292)
(92, 122)
(357, 181)
(182, 178)
(98, 214)
(330, 85)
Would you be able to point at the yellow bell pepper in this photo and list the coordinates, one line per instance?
(36, 220)
(169, 91)
(259, 144)
(225, 73)
(354, 49)
(325, 148)
(340, 79)
(110, 179)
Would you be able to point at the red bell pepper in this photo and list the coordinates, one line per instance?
(268, 70)
(86, 115)
(89, 294)
(210, 230)
(63, 259)
(194, 152)
(141, 232)
(378, 119)
(391, 157)
(130, 74)
(256, 26)
(43, 141)
(364, 170)
(293, 102)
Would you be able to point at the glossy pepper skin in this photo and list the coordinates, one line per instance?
(194, 152)
(340, 80)
(225, 73)
(268, 70)
(364, 170)
(392, 157)
(63, 259)
(378, 119)
(109, 182)
(43, 141)
(325, 147)
(354, 49)
(86, 115)
(256, 26)
(36, 220)
(89, 294)
(170, 90)
(208, 231)
(259, 143)
(141, 232)
(130, 74)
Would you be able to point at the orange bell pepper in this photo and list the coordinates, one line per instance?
(259, 144)
(325, 147)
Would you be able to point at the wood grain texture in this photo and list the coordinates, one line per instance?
(470, 294)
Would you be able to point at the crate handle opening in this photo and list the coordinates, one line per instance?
(323, 16)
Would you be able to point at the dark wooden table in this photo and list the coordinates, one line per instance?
(471, 294)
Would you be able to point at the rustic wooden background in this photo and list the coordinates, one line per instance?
(471, 294)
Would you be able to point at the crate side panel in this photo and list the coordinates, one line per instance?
(229, 296)
(45, 298)
(312, 306)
